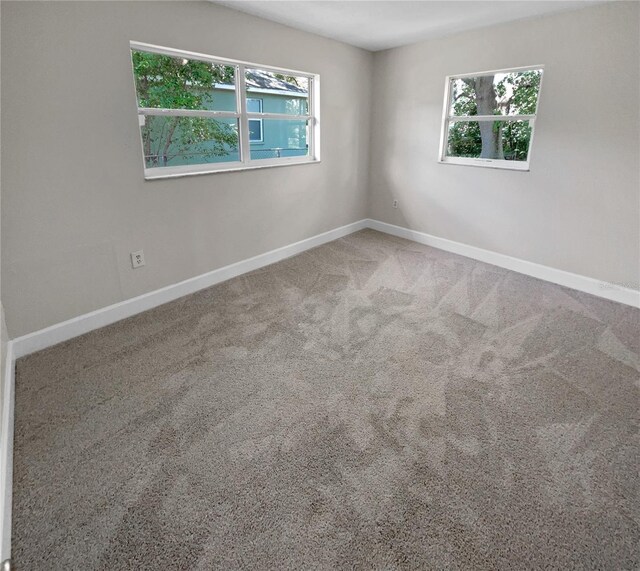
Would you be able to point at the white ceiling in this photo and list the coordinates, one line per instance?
(381, 24)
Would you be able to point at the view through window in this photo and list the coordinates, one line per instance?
(489, 118)
(201, 113)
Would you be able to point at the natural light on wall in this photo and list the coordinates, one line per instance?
(203, 114)
(489, 118)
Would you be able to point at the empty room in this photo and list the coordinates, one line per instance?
(295, 285)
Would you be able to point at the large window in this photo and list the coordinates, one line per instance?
(201, 114)
(489, 118)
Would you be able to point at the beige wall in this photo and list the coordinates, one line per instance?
(578, 209)
(74, 202)
(4, 334)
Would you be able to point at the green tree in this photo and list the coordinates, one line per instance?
(291, 79)
(513, 93)
(174, 83)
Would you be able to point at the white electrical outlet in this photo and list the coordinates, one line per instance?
(395, 204)
(137, 259)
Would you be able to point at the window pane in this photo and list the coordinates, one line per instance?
(514, 93)
(255, 130)
(169, 82)
(506, 140)
(173, 141)
(254, 105)
(282, 138)
(279, 93)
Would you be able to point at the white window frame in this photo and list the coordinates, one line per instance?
(241, 114)
(447, 118)
(261, 139)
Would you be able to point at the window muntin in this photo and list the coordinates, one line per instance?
(489, 118)
(199, 114)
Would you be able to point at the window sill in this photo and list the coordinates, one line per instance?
(522, 166)
(175, 172)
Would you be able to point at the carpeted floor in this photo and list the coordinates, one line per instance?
(370, 404)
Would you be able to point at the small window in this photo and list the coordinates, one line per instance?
(201, 114)
(255, 125)
(489, 118)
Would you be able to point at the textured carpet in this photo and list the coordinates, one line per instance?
(369, 404)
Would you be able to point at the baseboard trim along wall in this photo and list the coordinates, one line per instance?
(66, 330)
(106, 316)
(6, 453)
(96, 319)
(613, 292)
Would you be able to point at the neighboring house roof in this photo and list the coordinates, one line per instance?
(264, 82)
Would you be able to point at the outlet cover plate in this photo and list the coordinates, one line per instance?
(137, 259)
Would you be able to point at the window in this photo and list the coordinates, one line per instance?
(489, 118)
(200, 114)
(255, 125)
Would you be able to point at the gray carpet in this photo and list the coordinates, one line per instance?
(370, 404)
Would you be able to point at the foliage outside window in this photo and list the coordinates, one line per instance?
(489, 118)
(200, 114)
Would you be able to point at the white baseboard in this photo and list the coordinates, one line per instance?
(107, 315)
(6, 453)
(593, 286)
